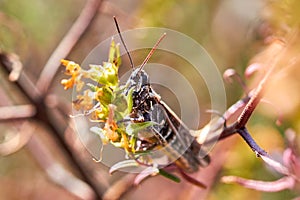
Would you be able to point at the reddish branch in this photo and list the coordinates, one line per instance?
(256, 97)
(250, 102)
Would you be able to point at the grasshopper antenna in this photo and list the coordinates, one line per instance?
(119, 32)
(152, 51)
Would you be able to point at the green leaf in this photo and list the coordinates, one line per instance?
(104, 95)
(132, 142)
(118, 60)
(105, 75)
(129, 101)
(118, 116)
(110, 74)
(120, 102)
(169, 176)
(134, 128)
(92, 87)
(114, 55)
(112, 51)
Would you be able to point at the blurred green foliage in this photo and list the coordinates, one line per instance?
(43, 20)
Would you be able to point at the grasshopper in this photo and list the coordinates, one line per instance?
(133, 116)
(168, 130)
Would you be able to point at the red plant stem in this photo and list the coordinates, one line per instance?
(251, 142)
(252, 104)
(258, 92)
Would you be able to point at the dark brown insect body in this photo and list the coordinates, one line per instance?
(169, 132)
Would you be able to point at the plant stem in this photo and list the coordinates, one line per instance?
(250, 141)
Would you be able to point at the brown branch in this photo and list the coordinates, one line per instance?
(17, 112)
(12, 61)
(37, 93)
(120, 187)
(8, 61)
(66, 45)
(57, 173)
(92, 171)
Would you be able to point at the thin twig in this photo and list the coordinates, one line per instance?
(17, 112)
(258, 92)
(231, 74)
(266, 186)
(252, 144)
(232, 112)
(66, 45)
(250, 102)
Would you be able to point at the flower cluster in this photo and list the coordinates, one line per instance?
(105, 101)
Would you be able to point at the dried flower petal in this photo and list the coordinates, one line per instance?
(74, 70)
(251, 69)
(123, 164)
(84, 102)
(266, 186)
(149, 171)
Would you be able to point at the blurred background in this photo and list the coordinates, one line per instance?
(41, 155)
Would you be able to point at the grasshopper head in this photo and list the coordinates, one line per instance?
(137, 79)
